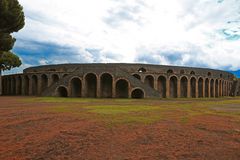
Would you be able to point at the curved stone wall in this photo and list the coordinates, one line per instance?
(119, 81)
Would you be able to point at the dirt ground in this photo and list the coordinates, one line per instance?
(33, 129)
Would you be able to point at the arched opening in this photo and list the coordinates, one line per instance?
(26, 85)
(209, 74)
(173, 87)
(19, 85)
(206, 88)
(170, 71)
(193, 87)
(212, 88)
(137, 93)
(142, 70)
(200, 87)
(137, 76)
(106, 85)
(149, 80)
(223, 88)
(9, 86)
(220, 88)
(13, 86)
(91, 85)
(4, 84)
(44, 82)
(76, 87)
(162, 86)
(122, 89)
(62, 92)
(192, 73)
(184, 83)
(216, 89)
(34, 85)
(55, 78)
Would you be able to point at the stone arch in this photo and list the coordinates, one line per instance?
(184, 86)
(220, 88)
(34, 85)
(62, 91)
(192, 73)
(137, 93)
(137, 76)
(193, 82)
(55, 78)
(91, 85)
(26, 85)
(19, 85)
(4, 84)
(122, 87)
(209, 74)
(212, 88)
(200, 87)
(106, 81)
(173, 87)
(76, 87)
(207, 88)
(162, 86)
(142, 70)
(9, 86)
(170, 71)
(13, 86)
(44, 82)
(216, 88)
(149, 80)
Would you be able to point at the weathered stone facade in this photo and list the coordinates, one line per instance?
(119, 81)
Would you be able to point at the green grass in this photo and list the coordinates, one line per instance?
(146, 111)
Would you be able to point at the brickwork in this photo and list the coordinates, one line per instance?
(119, 81)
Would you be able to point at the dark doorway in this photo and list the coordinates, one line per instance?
(106, 85)
(184, 83)
(55, 78)
(76, 87)
(212, 88)
(137, 93)
(62, 92)
(19, 85)
(26, 85)
(216, 89)
(200, 87)
(173, 87)
(91, 85)
(149, 80)
(162, 86)
(34, 85)
(122, 89)
(193, 87)
(44, 82)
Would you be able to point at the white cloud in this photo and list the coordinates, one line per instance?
(124, 30)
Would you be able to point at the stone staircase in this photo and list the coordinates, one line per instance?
(149, 91)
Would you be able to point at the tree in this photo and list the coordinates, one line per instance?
(11, 20)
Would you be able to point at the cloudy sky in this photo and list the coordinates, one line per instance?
(198, 33)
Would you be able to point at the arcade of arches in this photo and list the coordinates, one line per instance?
(106, 85)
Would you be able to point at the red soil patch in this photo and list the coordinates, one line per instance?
(28, 131)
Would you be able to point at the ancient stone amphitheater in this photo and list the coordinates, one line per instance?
(119, 81)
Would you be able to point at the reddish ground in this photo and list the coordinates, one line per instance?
(29, 131)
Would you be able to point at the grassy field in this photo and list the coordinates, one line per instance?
(79, 128)
(130, 111)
